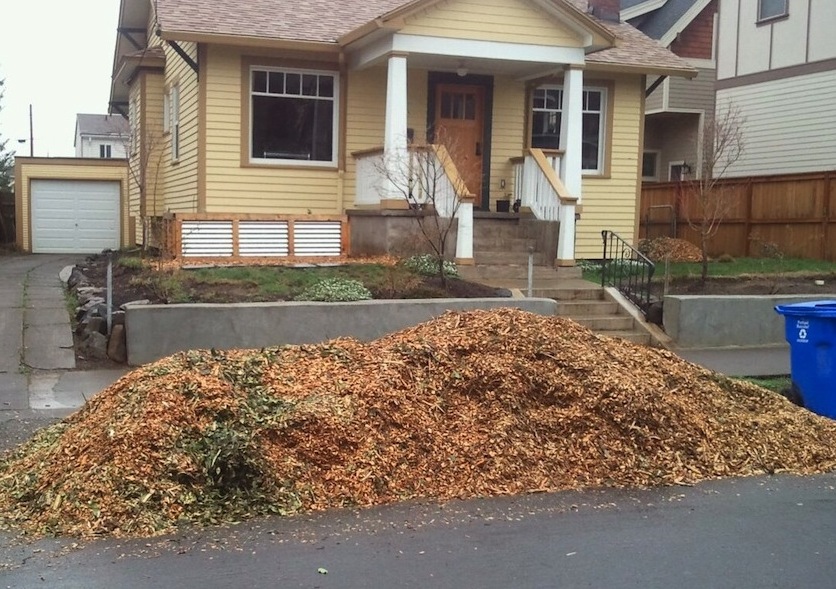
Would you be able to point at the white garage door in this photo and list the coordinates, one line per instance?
(74, 216)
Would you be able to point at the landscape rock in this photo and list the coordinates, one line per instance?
(117, 349)
(77, 278)
(65, 273)
(95, 345)
(138, 302)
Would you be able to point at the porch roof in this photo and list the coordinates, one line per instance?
(327, 23)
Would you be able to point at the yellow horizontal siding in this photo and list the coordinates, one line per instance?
(508, 134)
(233, 187)
(612, 203)
(66, 169)
(511, 21)
(181, 176)
(154, 144)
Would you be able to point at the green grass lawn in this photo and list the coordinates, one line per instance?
(736, 267)
(777, 384)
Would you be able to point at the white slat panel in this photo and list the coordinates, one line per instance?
(263, 239)
(207, 239)
(317, 238)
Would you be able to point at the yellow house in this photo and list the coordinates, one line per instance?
(263, 128)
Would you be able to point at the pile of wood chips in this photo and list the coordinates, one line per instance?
(469, 404)
(676, 250)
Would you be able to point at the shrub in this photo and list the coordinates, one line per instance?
(427, 265)
(336, 290)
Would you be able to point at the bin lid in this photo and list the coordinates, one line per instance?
(809, 308)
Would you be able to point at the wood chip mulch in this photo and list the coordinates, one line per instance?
(469, 404)
(676, 250)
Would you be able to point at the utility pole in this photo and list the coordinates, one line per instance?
(31, 134)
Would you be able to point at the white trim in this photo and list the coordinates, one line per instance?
(671, 164)
(376, 52)
(683, 22)
(487, 49)
(708, 64)
(642, 8)
(335, 123)
(174, 125)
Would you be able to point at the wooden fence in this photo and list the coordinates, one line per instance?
(794, 215)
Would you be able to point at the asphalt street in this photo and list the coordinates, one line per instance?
(746, 533)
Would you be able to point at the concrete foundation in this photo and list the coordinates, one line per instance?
(156, 331)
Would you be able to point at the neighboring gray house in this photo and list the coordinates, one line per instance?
(777, 65)
(101, 136)
(676, 109)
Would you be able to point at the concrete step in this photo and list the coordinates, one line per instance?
(570, 293)
(492, 242)
(502, 258)
(605, 322)
(637, 337)
(586, 308)
(511, 272)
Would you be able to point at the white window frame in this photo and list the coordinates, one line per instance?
(335, 135)
(602, 126)
(105, 151)
(680, 164)
(658, 155)
(174, 124)
(167, 111)
(779, 12)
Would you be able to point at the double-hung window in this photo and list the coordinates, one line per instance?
(769, 9)
(293, 116)
(547, 111)
(174, 122)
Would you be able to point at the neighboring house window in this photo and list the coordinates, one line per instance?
(104, 151)
(650, 166)
(768, 9)
(174, 123)
(547, 111)
(293, 116)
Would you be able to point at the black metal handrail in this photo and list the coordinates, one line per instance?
(627, 269)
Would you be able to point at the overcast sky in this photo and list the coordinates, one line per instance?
(56, 55)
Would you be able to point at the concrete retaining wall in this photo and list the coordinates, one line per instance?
(155, 331)
(703, 321)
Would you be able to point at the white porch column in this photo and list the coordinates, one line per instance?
(464, 236)
(395, 154)
(571, 142)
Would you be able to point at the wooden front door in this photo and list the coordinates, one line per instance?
(459, 126)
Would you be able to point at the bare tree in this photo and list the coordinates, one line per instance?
(707, 201)
(426, 177)
(145, 154)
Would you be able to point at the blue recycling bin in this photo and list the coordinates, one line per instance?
(810, 329)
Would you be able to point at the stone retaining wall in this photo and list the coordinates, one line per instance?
(155, 331)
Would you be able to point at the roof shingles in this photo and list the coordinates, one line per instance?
(325, 21)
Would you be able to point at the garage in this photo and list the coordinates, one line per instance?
(71, 205)
(74, 216)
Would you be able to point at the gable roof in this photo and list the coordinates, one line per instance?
(665, 21)
(326, 23)
(90, 124)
